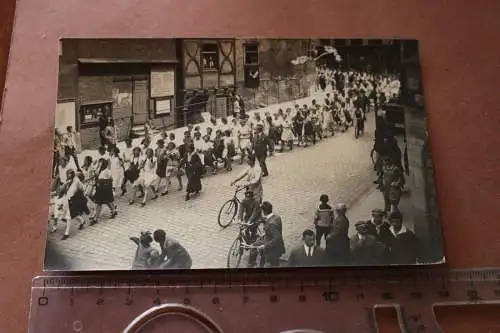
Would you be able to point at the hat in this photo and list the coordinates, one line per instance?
(378, 211)
(361, 225)
(340, 206)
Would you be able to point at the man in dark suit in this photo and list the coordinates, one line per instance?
(379, 228)
(271, 245)
(365, 249)
(307, 254)
(173, 254)
(337, 241)
(260, 144)
(404, 249)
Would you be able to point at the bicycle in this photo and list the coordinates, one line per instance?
(230, 208)
(242, 244)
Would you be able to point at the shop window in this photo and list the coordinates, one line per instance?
(90, 113)
(252, 74)
(210, 56)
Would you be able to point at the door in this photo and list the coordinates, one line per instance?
(140, 102)
(122, 106)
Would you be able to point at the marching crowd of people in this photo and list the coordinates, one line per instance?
(381, 240)
(82, 188)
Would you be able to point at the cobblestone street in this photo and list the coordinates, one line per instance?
(338, 166)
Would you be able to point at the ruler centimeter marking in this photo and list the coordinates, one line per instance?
(343, 301)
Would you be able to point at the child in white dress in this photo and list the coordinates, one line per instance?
(59, 209)
(287, 136)
(149, 176)
(117, 170)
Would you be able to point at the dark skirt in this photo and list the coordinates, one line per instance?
(322, 83)
(308, 129)
(218, 149)
(132, 174)
(208, 158)
(231, 151)
(161, 169)
(193, 173)
(348, 117)
(360, 124)
(297, 129)
(104, 192)
(78, 205)
(275, 133)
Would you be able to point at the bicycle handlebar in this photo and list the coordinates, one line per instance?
(245, 224)
(249, 246)
(239, 188)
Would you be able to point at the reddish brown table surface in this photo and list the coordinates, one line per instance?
(460, 56)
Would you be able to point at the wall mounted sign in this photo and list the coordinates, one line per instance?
(162, 82)
(163, 106)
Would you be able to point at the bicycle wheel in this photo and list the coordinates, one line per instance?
(227, 213)
(235, 253)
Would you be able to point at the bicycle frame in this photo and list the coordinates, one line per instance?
(238, 190)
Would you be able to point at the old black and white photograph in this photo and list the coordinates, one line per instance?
(206, 153)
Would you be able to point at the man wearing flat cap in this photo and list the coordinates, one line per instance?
(365, 249)
(337, 241)
(404, 249)
(380, 228)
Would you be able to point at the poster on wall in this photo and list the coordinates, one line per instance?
(65, 116)
(162, 82)
(121, 99)
(221, 106)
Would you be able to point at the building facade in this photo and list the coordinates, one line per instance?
(172, 82)
(265, 73)
(128, 80)
(377, 55)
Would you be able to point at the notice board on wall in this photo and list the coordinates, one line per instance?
(162, 82)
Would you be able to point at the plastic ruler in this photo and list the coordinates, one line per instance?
(254, 301)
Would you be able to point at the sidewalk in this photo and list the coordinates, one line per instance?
(361, 209)
(179, 132)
